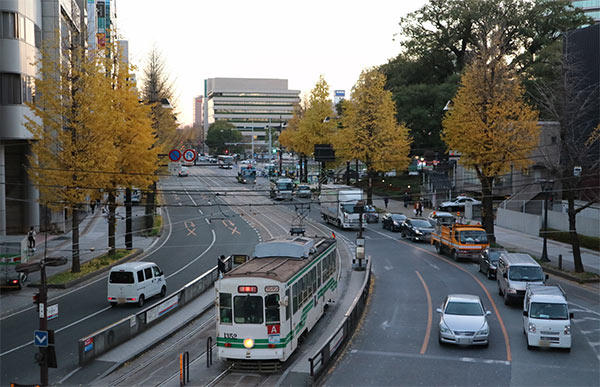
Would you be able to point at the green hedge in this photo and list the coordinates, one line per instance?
(585, 241)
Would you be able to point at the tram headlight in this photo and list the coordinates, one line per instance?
(248, 343)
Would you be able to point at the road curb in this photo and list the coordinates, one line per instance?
(67, 285)
(562, 274)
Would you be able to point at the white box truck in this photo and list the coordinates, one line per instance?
(338, 204)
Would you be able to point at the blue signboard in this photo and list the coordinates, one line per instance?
(174, 155)
(340, 93)
(40, 338)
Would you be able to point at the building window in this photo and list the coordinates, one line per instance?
(553, 140)
(10, 89)
(28, 83)
(9, 25)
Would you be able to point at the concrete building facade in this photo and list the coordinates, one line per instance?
(24, 25)
(257, 108)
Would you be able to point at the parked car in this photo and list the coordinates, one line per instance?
(392, 221)
(417, 229)
(183, 172)
(440, 218)
(457, 204)
(371, 214)
(303, 191)
(463, 320)
(488, 261)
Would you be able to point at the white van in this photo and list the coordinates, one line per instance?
(514, 272)
(135, 282)
(546, 317)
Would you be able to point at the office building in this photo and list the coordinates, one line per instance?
(23, 26)
(590, 8)
(199, 111)
(253, 105)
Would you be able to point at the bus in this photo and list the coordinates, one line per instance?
(225, 161)
(266, 304)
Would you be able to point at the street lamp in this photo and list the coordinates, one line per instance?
(546, 188)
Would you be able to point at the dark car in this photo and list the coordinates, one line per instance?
(417, 229)
(488, 261)
(371, 214)
(392, 221)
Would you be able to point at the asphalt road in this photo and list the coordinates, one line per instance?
(197, 234)
(397, 342)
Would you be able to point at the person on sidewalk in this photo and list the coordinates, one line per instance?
(406, 199)
(93, 206)
(31, 238)
(386, 200)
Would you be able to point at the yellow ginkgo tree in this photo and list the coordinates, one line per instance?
(132, 142)
(70, 143)
(370, 131)
(491, 124)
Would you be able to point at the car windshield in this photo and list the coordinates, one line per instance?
(349, 208)
(548, 311)
(495, 255)
(285, 186)
(464, 308)
(398, 217)
(526, 273)
(303, 188)
(444, 219)
(421, 223)
(472, 237)
(248, 310)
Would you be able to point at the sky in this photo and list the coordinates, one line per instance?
(297, 41)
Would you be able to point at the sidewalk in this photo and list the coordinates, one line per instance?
(516, 240)
(93, 242)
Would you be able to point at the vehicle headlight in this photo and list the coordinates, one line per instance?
(418, 232)
(248, 343)
(531, 327)
(444, 328)
(395, 223)
(484, 331)
(567, 330)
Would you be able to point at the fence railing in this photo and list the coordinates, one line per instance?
(321, 360)
(109, 337)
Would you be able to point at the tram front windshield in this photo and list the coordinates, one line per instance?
(248, 309)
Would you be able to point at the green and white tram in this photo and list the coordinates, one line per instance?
(267, 303)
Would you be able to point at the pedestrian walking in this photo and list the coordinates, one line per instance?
(386, 201)
(93, 206)
(419, 207)
(406, 199)
(31, 238)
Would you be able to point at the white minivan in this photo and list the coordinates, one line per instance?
(135, 282)
(546, 317)
(514, 272)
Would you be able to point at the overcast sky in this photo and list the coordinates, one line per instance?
(294, 40)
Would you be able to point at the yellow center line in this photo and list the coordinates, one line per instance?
(429, 317)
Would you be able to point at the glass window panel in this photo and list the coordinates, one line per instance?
(248, 309)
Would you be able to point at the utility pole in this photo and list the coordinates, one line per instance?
(280, 148)
(360, 241)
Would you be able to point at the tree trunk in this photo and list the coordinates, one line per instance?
(573, 232)
(111, 222)
(76, 266)
(128, 221)
(150, 207)
(370, 174)
(487, 209)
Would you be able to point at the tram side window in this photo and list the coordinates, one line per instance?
(225, 308)
(248, 309)
(313, 276)
(318, 268)
(295, 296)
(287, 307)
(272, 308)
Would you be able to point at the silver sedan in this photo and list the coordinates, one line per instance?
(463, 321)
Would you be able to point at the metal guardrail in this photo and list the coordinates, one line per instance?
(321, 360)
(109, 337)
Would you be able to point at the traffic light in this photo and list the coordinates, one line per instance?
(274, 151)
(226, 151)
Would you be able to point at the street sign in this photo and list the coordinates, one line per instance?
(174, 155)
(40, 338)
(52, 312)
(189, 155)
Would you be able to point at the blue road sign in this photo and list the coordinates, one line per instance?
(174, 155)
(40, 338)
